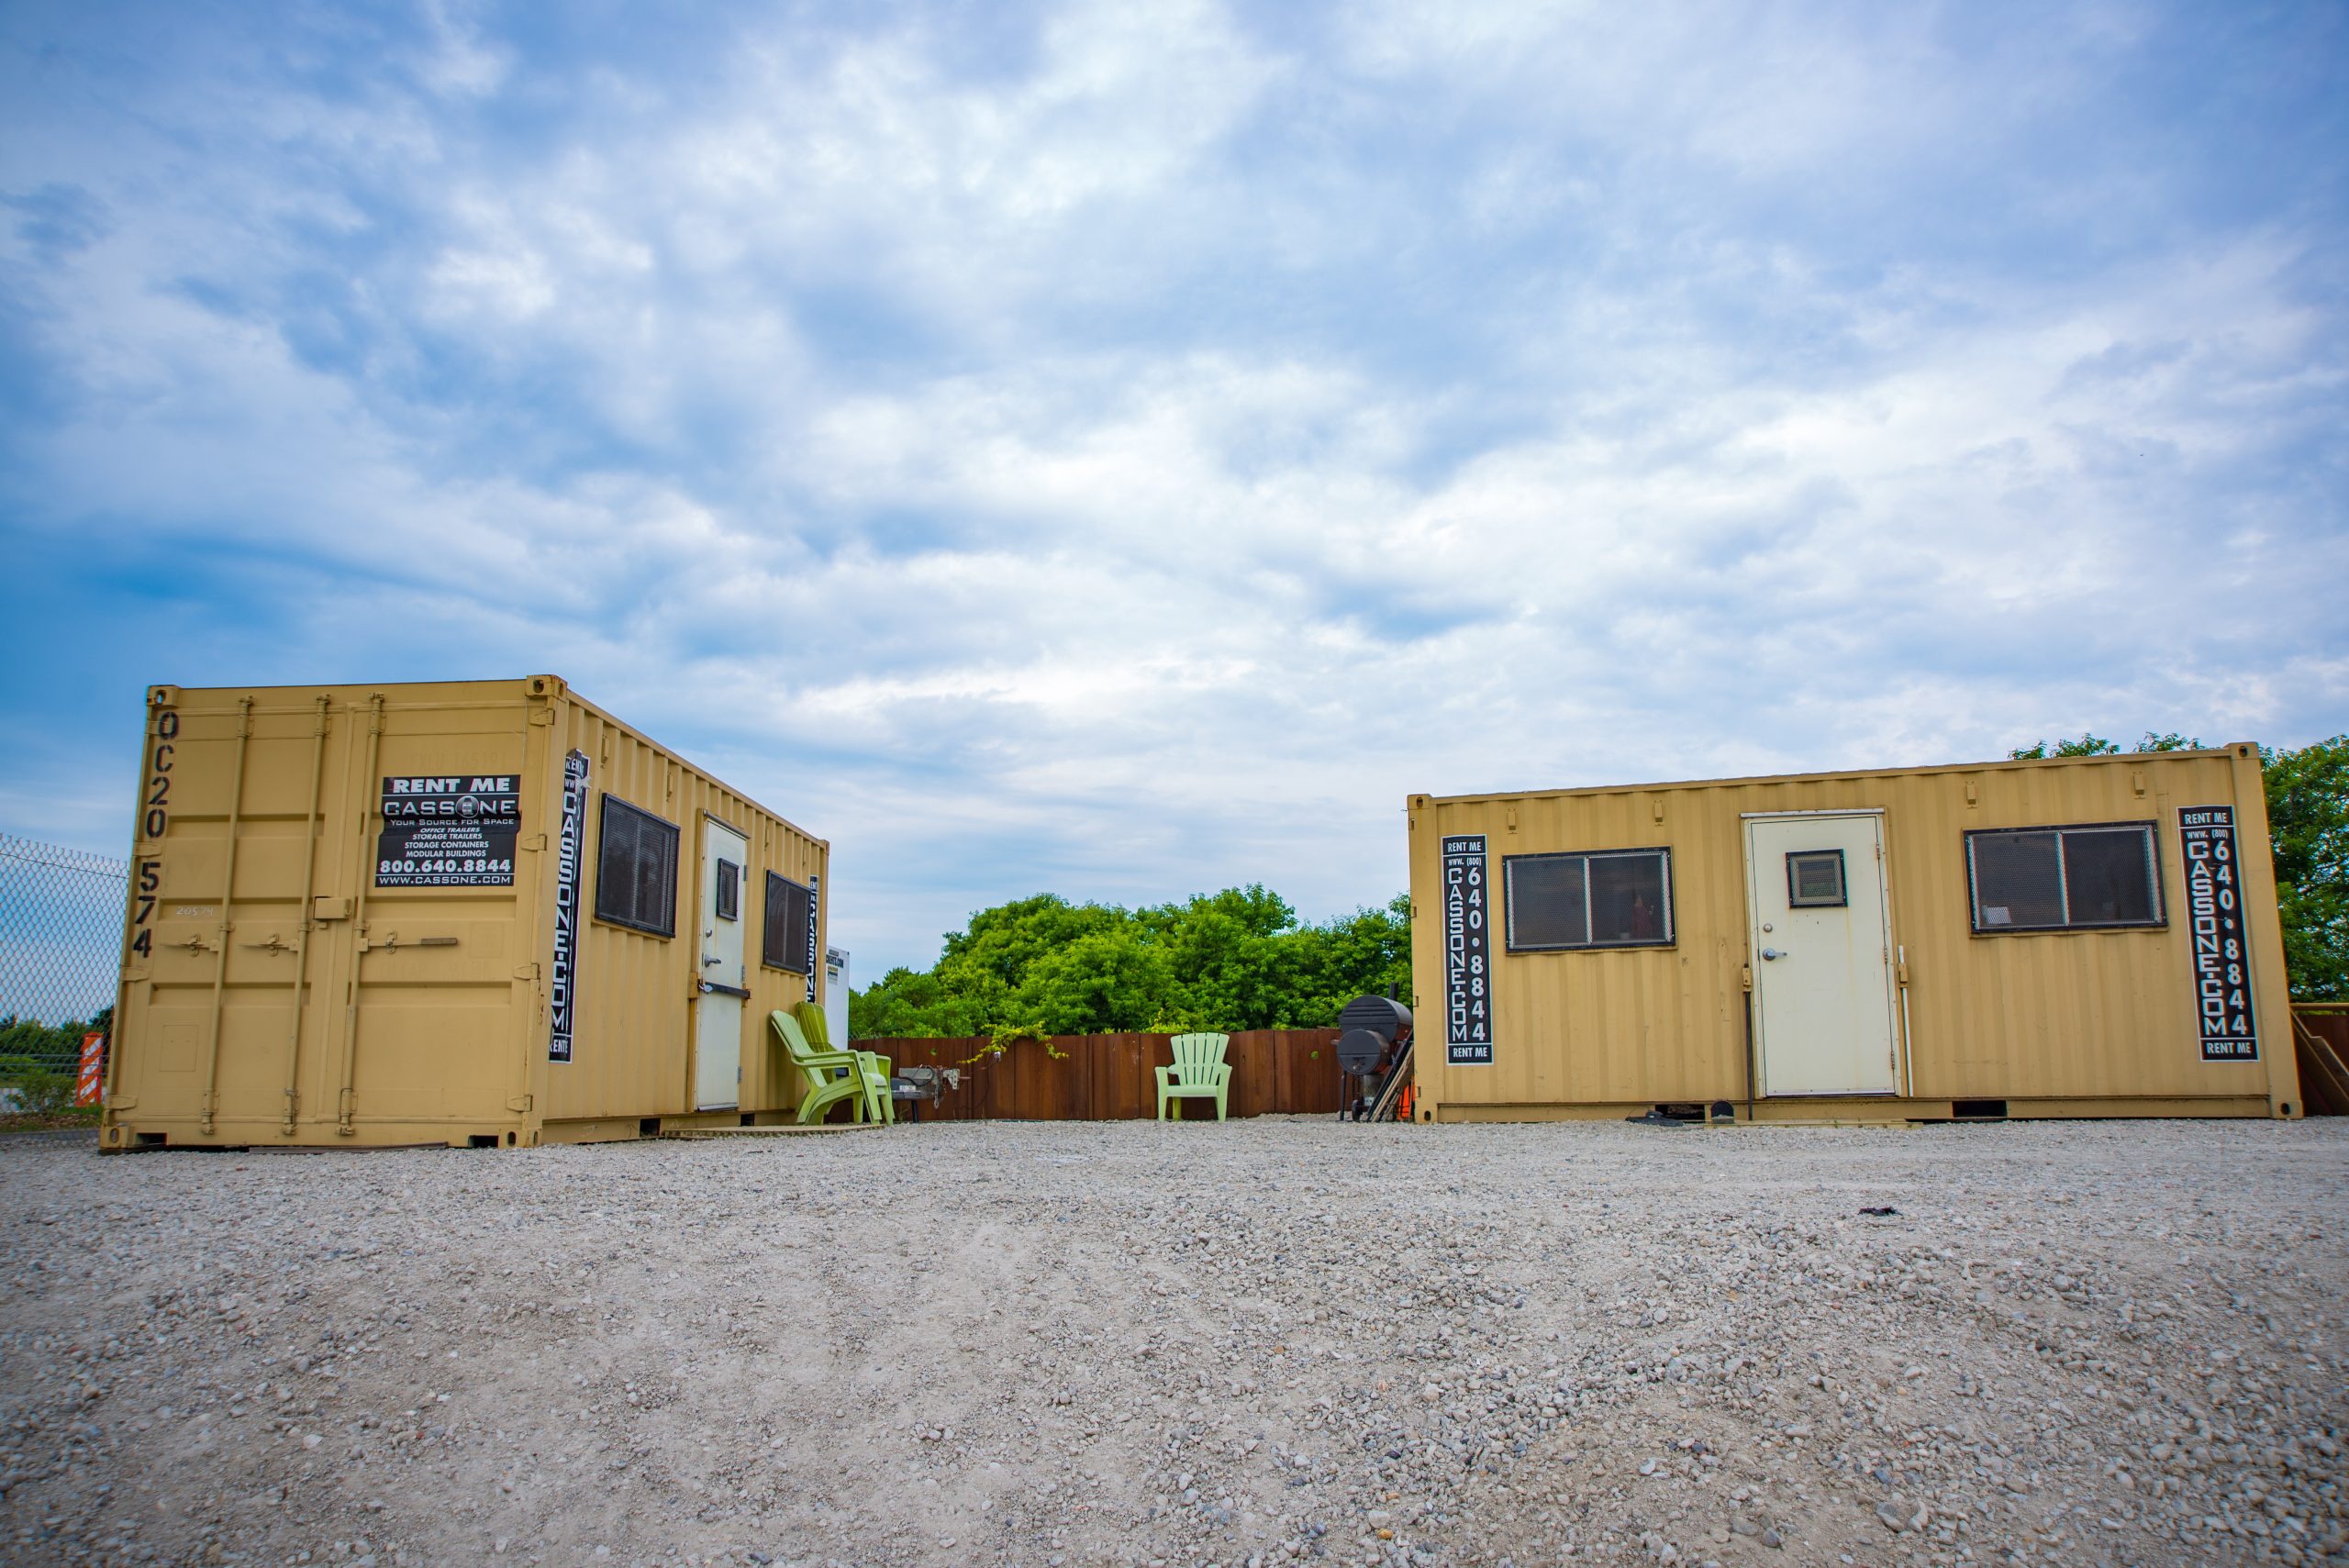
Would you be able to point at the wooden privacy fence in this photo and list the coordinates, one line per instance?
(1108, 1077)
(1111, 1077)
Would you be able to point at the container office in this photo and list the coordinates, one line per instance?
(470, 913)
(2090, 936)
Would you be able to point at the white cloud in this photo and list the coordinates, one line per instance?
(461, 63)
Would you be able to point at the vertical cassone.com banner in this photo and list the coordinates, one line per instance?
(814, 945)
(1468, 969)
(562, 975)
(2221, 947)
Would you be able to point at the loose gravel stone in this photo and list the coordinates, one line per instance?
(1271, 1343)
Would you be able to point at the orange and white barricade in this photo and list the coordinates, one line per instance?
(92, 1083)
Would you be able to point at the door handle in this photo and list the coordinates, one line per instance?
(709, 963)
(1769, 953)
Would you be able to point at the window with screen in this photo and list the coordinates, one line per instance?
(2094, 877)
(1815, 880)
(636, 869)
(730, 890)
(1613, 899)
(790, 916)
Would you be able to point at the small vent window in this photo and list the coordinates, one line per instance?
(1615, 899)
(2092, 877)
(636, 869)
(1815, 880)
(790, 916)
(730, 891)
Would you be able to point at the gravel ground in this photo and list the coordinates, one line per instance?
(1070, 1343)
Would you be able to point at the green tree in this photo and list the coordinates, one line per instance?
(1235, 959)
(2308, 824)
(41, 1062)
(999, 944)
(2091, 746)
(907, 1002)
(1103, 982)
(1233, 975)
(1364, 953)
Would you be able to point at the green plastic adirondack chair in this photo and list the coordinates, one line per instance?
(1199, 1072)
(819, 1030)
(832, 1075)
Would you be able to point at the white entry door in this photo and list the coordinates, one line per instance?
(725, 978)
(1821, 944)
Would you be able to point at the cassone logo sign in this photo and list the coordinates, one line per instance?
(448, 832)
(1468, 991)
(2221, 949)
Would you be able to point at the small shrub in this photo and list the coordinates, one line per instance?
(37, 1089)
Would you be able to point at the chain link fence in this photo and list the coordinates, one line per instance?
(61, 935)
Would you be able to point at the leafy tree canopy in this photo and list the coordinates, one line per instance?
(1235, 959)
(2308, 823)
(2091, 746)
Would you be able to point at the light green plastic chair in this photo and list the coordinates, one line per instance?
(1199, 1072)
(819, 1030)
(832, 1075)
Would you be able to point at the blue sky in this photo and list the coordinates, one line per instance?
(1124, 450)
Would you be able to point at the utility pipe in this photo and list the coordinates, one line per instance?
(1749, 1046)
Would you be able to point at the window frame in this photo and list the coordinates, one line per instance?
(2157, 897)
(766, 924)
(1671, 928)
(726, 900)
(1842, 900)
(677, 843)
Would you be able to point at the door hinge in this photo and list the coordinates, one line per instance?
(520, 1103)
(527, 972)
(542, 715)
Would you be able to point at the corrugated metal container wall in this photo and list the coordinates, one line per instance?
(631, 1057)
(2074, 1021)
(283, 983)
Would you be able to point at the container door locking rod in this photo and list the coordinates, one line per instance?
(368, 802)
(313, 829)
(227, 922)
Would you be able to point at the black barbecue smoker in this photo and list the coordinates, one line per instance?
(1374, 1054)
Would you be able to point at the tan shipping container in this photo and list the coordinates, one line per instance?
(470, 912)
(2091, 935)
